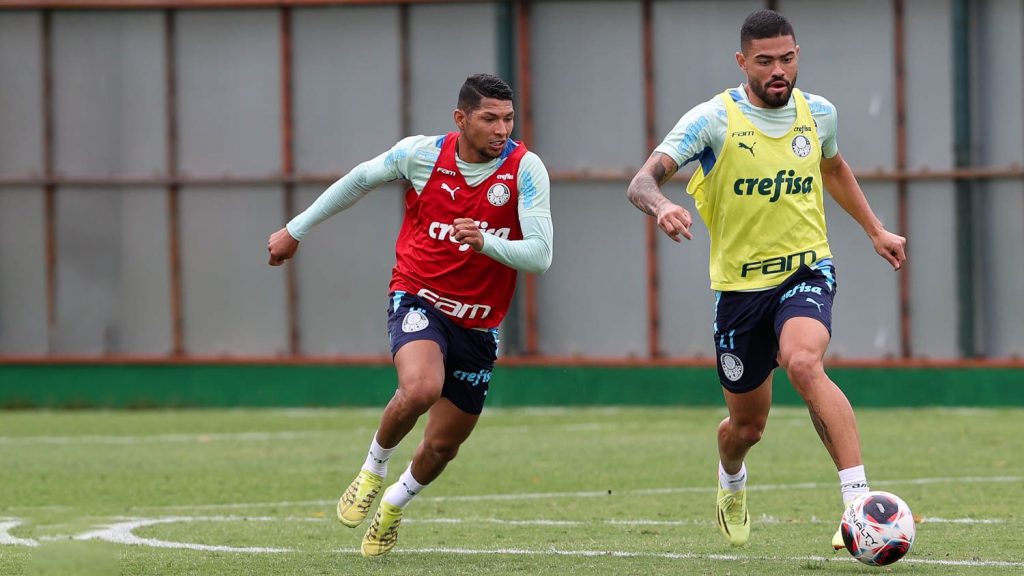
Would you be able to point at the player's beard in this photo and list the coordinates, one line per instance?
(483, 150)
(486, 152)
(770, 99)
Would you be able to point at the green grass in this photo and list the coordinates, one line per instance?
(558, 491)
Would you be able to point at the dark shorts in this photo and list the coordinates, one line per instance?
(469, 354)
(748, 324)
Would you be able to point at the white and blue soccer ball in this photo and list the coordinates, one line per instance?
(878, 528)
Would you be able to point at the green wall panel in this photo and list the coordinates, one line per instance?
(219, 385)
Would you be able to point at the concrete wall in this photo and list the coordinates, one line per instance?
(109, 110)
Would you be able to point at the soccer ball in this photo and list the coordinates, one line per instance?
(878, 528)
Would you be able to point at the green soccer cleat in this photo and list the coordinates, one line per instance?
(355, 503)
(837, 540)
(382, 534)
(733, 520)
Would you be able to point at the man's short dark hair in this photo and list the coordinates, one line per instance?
(480, 86)
(764, 24)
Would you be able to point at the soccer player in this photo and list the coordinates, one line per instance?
(765, 152)
(476, 212)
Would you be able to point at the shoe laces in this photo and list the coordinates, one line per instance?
(389, 536)
(734, 509)
(349, 498)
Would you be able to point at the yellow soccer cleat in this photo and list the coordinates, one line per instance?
(355, 503)
(733, 520)
(382, 534)
(837, 540)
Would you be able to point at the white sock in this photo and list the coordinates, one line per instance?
(377, 458)
(853, 483)
(734, 482)
(401, 492)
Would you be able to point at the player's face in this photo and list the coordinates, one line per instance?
(485, 130)
(770, 65)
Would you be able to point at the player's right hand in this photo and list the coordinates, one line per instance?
(892, 247)
(281, 246)
(675, 221)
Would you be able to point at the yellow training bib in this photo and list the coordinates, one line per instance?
(762, 202)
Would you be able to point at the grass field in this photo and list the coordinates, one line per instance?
(534, 491)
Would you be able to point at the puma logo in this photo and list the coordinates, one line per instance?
(812, 301)
(448, 189)
(409, 492)
(744, 146)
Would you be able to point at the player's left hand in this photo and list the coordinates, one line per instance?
(674, 220)
(890, 246)
(467, 232)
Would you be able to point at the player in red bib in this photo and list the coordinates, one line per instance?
(477, 212)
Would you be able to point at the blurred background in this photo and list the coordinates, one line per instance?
(149, 148)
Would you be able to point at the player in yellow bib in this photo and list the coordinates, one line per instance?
(766, 152)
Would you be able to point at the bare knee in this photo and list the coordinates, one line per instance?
(416, 394)
(748, 432)
(803, 368)
(441, 450)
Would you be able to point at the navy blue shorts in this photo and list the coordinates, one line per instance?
(469, 354)
(748, 324)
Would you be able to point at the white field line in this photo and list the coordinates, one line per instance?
(777, 414)
(255, 436)
(122, 533)
(600, 493)
(680, 556)
(241, 505)
(45, 508)
(6, 539)
(320, 412)
(158, 438)
(764, 519)
(499, 521)
(643, 522)
(554, 411)
(927, 520)
(710, 489)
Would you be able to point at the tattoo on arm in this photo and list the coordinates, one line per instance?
(658, 173)
(645, 189)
